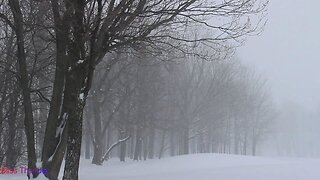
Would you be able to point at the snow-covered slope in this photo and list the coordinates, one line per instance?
(200, 167)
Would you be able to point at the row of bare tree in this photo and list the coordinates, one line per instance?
(176, 107)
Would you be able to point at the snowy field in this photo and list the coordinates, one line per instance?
(200, 167)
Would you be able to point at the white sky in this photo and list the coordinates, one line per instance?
(287, 53)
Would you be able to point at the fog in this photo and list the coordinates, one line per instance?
(287, 51)
(287, 54)
(181, 84)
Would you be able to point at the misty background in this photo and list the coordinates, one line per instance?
(286, 53)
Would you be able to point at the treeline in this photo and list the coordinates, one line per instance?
(148, 77)
(174, 107)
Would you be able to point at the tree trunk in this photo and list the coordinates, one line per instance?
(98, 148)
(51, 142)
(236, 137)
(185, 142)
(24, 83)
(151, 143)
(73, 106)
(12, 151)
(145, 148)
(76, 91)
(138, 146)
(54, 145)
(172, 144)
(254, 146)
(123, 147)
(87, 146)
(162, 144)
(132, 144)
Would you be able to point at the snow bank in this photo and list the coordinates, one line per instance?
(200, 167)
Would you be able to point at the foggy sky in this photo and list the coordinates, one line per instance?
(287, 52)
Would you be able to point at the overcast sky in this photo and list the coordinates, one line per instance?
(287, 52)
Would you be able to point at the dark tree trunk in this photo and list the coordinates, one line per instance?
(236, 137)
(4, 89)
(254, 146)
(184, 148)
(98, 148)
(138, 145)
(172, 143)
(12, 151)
(87, 148)
(73, 106)
(162, 144)
(132, 144)
(151, 144)
(74, 110)
(76, 91)
(245, 144)
(145, 148)
(123, 147)
(53, 120)
(24, 83)
(109, 139)
(54, 145)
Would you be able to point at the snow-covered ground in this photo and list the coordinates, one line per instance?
(200, 167)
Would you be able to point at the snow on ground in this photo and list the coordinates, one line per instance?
(200, 167)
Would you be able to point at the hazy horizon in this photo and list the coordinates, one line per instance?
(286, 52)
